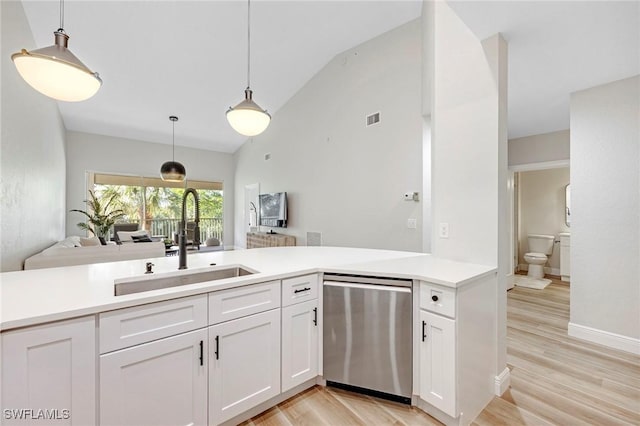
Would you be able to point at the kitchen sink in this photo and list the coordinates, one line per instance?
(148, 282)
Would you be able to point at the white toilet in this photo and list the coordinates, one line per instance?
(540, 246)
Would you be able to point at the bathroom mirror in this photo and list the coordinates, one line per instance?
(567, 205)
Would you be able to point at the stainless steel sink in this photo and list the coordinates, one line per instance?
(147, 283)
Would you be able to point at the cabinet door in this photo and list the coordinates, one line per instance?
(438, 362)
(51, 368)
(159, 383)
(299, 343)
(245, 364)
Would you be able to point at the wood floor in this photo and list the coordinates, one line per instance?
(555, 379)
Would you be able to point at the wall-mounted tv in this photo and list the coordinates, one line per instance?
(273, 210)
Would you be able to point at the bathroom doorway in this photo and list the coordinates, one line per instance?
(539, 208)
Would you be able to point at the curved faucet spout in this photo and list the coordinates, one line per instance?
(182, 236)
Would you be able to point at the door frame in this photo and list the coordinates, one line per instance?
(513, 188)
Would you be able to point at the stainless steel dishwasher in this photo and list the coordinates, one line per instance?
(367, 344)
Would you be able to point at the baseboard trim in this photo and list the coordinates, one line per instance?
(503, 381)
(436, 413)
(260, 408)
(605, 338)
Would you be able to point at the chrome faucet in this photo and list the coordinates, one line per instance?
(182, 236)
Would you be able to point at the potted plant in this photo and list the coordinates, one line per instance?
(100, 216)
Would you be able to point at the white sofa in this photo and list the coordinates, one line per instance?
(69, 252)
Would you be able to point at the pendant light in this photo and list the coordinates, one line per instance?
(56, 72)
(172, 171)
(247, 118)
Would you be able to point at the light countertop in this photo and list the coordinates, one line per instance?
(44, 295)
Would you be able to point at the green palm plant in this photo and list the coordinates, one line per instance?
(100, 215)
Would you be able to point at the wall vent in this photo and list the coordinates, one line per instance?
(373, 119)
(314, 239)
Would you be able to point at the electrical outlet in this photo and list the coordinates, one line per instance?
(412, 223)
(443, 230)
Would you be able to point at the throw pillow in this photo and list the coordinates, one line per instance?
(87, 242)
(125, 236)
(69, 242)
(141, 238)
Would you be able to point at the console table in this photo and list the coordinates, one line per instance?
(263, 239)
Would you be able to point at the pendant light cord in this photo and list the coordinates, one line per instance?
(61, 14)
(173, 140)
(248, 43)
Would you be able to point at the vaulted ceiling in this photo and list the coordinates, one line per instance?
(188, 58)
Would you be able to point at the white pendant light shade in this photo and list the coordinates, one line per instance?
(56, 72)
(247, 118)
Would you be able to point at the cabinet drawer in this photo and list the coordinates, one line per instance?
(235, 303)
(438, 299)
(299, 289)
(139, 324)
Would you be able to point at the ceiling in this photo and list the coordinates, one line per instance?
(188, 58)
(556, 48)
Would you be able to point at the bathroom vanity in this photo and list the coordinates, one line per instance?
(220, 348)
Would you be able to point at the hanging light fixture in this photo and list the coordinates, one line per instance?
(172, 171)
(56, 72)
(247, 118)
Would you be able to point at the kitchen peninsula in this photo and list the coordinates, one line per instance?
(235, 346)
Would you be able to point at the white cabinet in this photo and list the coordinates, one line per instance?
(244, 368)
(226, 305)
(299, 343)
(565, 256)
(299, 289)
(456, 342)
(50, 367)
(139, 324)
(438, 362)
(156, 383)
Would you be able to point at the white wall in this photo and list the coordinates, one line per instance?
(542, 209)
(97, 153)
(344, 179)
(465, 144)
(605, 196)
(469, 161)
(33, 150)
(541, 148)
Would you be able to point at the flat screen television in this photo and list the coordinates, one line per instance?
(273, 210)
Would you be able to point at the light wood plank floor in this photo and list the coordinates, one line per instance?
(555, 379)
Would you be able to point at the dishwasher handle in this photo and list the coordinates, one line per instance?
(376, 287)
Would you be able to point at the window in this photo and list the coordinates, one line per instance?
(157, 205)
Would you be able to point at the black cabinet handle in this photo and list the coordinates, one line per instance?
(201, 352)
(315, 316)
(424, 331)
(434, 298)
(217, 347)
(301, 290)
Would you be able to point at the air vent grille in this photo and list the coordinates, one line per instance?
(373, 119)
(314, 239)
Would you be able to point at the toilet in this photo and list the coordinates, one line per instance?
(540, 246)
